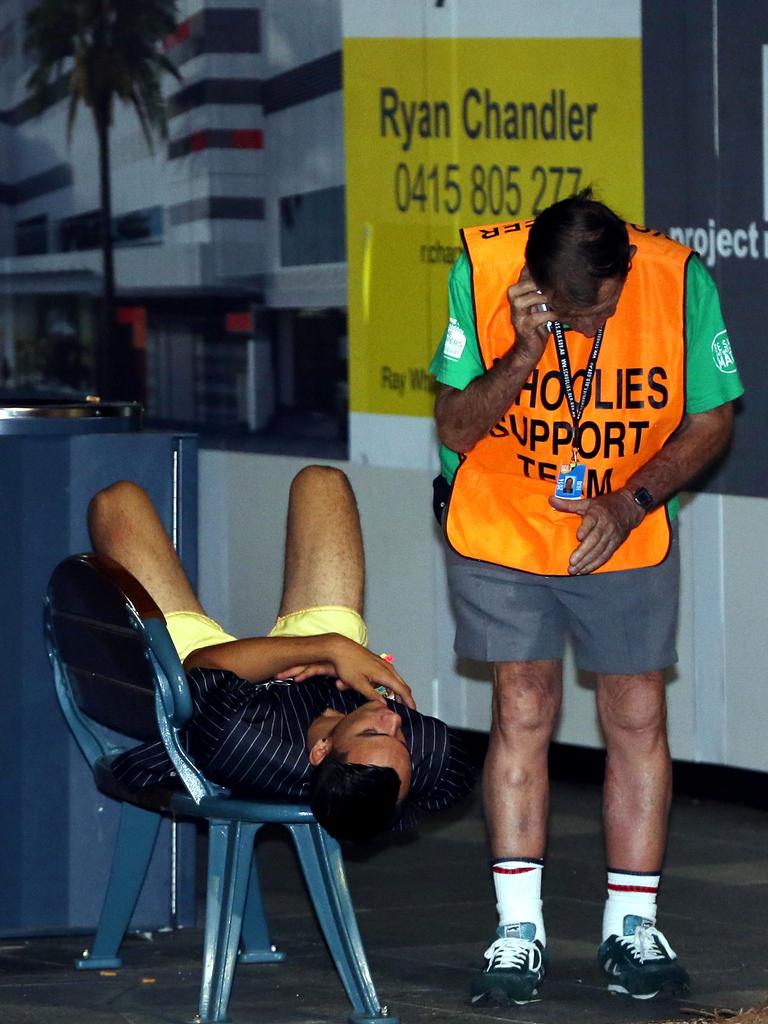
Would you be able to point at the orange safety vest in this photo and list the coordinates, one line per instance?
(498, 510)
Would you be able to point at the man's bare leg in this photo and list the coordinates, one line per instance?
(324, 559)
(636, 958)
(638, 773)
(124, 525)
(526, 702)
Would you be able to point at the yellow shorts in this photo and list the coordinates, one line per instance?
(191, 631)
(327, 618)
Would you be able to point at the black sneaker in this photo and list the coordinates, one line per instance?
(515, 969)
(641, 963)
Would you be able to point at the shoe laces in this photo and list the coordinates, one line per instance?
(510, 953)
(647, 943)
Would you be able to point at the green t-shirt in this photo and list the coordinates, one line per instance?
(711, 377)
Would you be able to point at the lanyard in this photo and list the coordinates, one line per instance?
(565, 369)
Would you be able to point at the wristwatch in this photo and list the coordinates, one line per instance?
(643, 498)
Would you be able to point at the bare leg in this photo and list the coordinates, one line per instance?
(124, 525)
(324, 559)
(638, 774)
(526, 702)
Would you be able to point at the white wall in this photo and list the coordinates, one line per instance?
(718, 698)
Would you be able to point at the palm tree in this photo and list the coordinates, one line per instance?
(108, 50)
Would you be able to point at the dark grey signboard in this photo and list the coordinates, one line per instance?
(705, 80)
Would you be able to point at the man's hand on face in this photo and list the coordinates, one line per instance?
(528, 318)
(606, 523)
(355, 668)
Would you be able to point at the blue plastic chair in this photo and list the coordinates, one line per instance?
(116, 670)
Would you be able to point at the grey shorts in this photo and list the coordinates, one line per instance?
(619, 623)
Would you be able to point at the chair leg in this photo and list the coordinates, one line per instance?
(255, 947)
(230, 852)
(323, 867)
(136, 836)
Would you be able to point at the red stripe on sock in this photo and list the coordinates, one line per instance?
(511, 871)
(632, 888)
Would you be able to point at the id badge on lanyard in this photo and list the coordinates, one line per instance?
(570, 479)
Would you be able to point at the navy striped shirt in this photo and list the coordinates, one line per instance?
(252, 738)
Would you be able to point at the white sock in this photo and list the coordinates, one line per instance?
(629, 892)
(518, 893)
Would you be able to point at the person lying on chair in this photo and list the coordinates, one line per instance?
(306, 713)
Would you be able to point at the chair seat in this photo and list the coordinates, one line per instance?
(173, 799)
(263, 812)
(153, 798)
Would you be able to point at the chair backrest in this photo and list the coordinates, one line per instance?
(115, 667)
(92, 609)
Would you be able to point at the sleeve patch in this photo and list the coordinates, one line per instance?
(722, 355)
(455, 340)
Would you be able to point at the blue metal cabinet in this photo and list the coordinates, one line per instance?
(57, 830)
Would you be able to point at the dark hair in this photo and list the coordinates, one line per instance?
(354, 801)
(576, 244)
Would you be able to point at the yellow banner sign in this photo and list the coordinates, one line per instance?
(442, 133)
